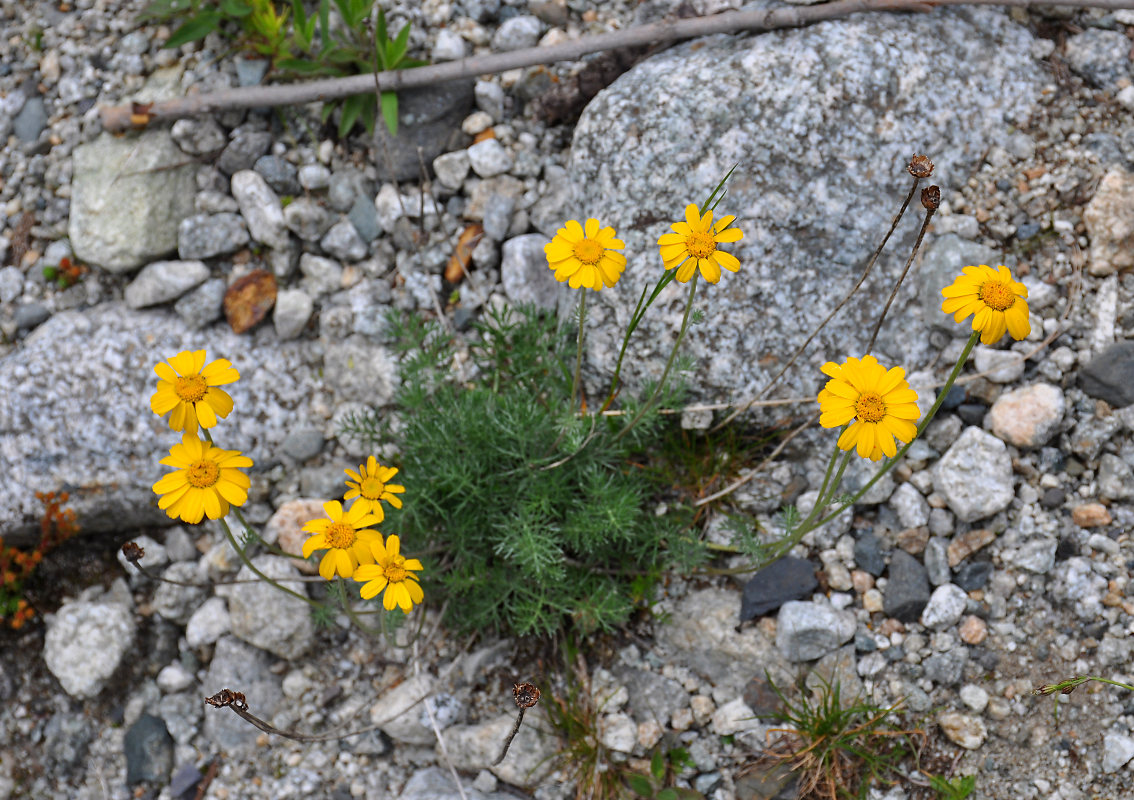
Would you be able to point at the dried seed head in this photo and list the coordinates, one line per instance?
(133, 552)
(227, 697)
(525, 694)
(931, 197)
(920, 166)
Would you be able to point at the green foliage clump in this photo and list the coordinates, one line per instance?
(535, 516)
(301, 44)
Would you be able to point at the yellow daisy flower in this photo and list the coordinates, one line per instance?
(206, 482)
(997, 301)
(187, 387)
(371, 485)
(390, 571)
(585, 255)
(693, 245)
(877, 402)
(345, 537)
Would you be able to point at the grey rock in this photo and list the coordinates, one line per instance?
(30, 315)
(948, 668)
(183, 714)
(652, 696)
(435, 783)
(1002, 366)
(907, 591)
(11, 283)
(208, 623)
(163, 281)
(945, 608)
(1092, 433)
(198, 136)
(31, 120)
(174, 678)
(868, 554)
(85, 643)
(243, 151)
(343, 242)
(314, 177)
(264, 616)
(807, 631)
(1115, 477)
(321, 275)
(1078, 586)
(975, 476)
(859, 472)
(449, 46)
(307, 219)
(554, 206)
(973, 575)
(280, 174)
(1118, 749)
(941, 522)
(788, 578)
(66, 740)
(1035, 555)
(525, 275)
(623, 174)
(303, 443)
(471, 747)
(210, 201)
(910, 506)
(250, 71)
(206, 236)
(238, 664)
(1102, 57)
(360, 371)
(202, 306)
(175, 601)
(399, 712)
(292, 312)
(364, 217)
(260, 208)
(345, 186)
(837, 668)
(489, 158)
(517, 33)
(429, 119)
(128, 197)
(490, 99)
(937, 560)
(451, 169)
(498, 217)
(1110, 375)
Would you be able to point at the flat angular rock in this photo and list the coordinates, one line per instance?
(907, 591)
(263, 616)
(163, 281)
(789, 578)
(807, 631)
(975, 476)
(128, 196)
(1110, 375)
(1028, 416)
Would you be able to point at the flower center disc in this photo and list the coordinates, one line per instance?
(203, 474)
(340, 535)
(372, 488)
(191, 389)
(869, 407)
(996, 295)
(395, 572)
(700, 245)
(588, 251)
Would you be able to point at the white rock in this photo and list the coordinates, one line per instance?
(1028, 416)
(975, 476)
(619, 732)
(1118, 749)
(292, 311)
(963, 729)
(1002, 366)
(945, 608)
(974, 697)
(452, 168)
(174, 678)
(154, 557)
(85, 642)
(489, 158)
(261, 209)
(208, 623)
(733, 717)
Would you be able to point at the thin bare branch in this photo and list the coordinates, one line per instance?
(118, 118)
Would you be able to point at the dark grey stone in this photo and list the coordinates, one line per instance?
(185, 781)
(1053, 498)
(973, 575)
(149, 751)
(868, 554)
(1110, 375)
(31, 120)
(907, 591)
(30, 315)
(279, 173)
(429, 119)
(66, 740)
(243, 151)
(946, 669)
(347, 185)
(303, 443)
(364, 217)
(790, 578)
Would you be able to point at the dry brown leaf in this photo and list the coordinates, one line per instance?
(249, 300)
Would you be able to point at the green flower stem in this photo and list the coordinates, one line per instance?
(668, 364)
(373, 633)
(886, 467)
(248, 563)
(271, 548)
(579, 351)
(826, 482)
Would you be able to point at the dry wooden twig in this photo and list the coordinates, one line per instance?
(118, 118)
